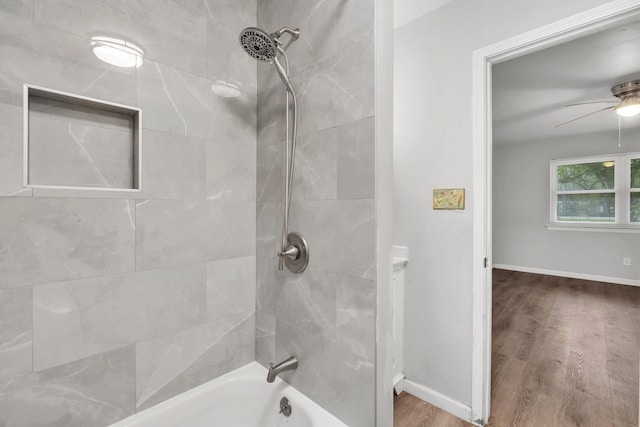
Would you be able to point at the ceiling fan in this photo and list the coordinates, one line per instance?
(627, 104)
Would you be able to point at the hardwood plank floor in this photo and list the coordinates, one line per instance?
(565, 352)
(409, 411)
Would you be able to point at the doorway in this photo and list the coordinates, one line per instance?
(484, 60)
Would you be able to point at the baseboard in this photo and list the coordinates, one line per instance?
(398, 383)
(438, 399)
(595, 278)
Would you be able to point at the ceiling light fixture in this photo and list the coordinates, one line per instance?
(118, 52)
(629, 106)
(608, 164)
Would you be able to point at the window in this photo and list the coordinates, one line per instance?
(635, 189)
(596, 191)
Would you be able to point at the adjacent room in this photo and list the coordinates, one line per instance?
(564, 209)
(566, 176)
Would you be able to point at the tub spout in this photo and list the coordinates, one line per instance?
(288, 365)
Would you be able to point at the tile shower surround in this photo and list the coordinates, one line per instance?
(325, 316)
(112, 303)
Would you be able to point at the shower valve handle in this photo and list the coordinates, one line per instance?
(291, 252)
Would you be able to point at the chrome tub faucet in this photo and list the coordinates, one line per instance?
(288, 365)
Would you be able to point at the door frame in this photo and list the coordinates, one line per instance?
(573, 27)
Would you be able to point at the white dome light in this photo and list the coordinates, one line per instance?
(629, 106)
(118, 52)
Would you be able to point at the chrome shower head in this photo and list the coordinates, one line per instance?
(258, 44)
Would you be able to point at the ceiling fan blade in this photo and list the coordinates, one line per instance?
(587, 115)
(593, 102)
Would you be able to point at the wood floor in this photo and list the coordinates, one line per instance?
(409, 411)
(565, 352)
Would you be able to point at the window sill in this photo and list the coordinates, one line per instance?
(599, 228)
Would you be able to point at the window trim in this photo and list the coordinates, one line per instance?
(622, 192)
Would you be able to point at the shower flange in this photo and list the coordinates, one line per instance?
(298, 261)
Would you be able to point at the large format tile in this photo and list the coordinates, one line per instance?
(71, 145)
(175, 232)
(269, 228)
(271, 115)
(173, 166)
(11, 150)
(340, 233)
(47, 240)
(166, 31)
(339, 306)
(22, 8)
(316, 168)
(271, 147)
(330, 374)
(234, 14)
(80, 318)
(232, 120)
(352, 379)
(45, 56)
(174, 363)
(327, 27)
(95, 391)
(265, 338)
(15, 332)
(268, 283)
(306, 346)
(356, 160)
(231, 287)
(307, 300)
(231, 172)
(325, 316)
(270, 170)
(355, 315)
(227, 61)
(271, 17)
(337, 91)
(183, 103)
(173, 100)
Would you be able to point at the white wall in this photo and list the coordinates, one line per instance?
(521, 209)
(432, 148)
(405, 11)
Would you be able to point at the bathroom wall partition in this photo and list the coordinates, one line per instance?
(325, 316)
(112, 301)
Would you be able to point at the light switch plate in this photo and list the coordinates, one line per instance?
(448, 198)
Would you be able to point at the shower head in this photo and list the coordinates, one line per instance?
(258, 44)
(263, 46)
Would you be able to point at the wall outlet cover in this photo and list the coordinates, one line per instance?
(448, 198)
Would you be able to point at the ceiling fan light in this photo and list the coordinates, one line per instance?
(629, 106)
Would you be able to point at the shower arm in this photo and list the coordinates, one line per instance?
(288, 250)
(294, 33)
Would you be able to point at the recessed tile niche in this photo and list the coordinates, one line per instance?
(74, 142)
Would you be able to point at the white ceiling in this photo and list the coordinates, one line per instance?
(405, 11)
(529, 93)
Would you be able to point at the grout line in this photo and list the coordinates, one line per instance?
(135, 235)
(33, 318)
(135, 378)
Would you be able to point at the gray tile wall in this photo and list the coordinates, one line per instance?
(324, 316)
(109, 304)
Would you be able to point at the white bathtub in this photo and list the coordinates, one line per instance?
(241, 398)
